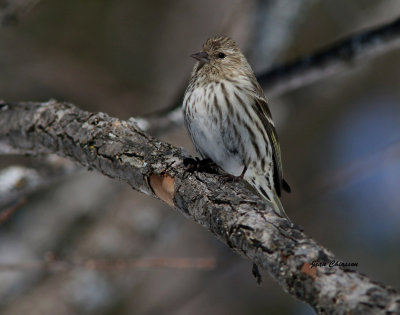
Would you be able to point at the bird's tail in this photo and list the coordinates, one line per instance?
(272, 197)
(277, 205)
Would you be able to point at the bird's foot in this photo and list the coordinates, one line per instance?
(232, 178)
(235, 179)
(202, 166)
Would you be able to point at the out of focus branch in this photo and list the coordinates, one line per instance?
(240, 219)
(277, 17)
(332, 59)
(336, 57)
(16, 182)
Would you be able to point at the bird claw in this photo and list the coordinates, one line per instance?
(202, 166)
(232, 178)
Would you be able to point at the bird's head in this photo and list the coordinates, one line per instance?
(220, 56)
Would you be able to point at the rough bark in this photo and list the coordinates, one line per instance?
(243, 221)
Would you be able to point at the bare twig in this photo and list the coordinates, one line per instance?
(119, 149)
(336, 57)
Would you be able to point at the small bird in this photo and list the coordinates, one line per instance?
(228, 119)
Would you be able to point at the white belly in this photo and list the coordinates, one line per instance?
(223, 130)
(213, 138)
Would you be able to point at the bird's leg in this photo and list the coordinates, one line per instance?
(237, 178)
(243, 172)
(202, 166)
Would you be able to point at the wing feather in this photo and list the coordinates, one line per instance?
(264, 113)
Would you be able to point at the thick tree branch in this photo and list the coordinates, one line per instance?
(283, 78)
(119, 149)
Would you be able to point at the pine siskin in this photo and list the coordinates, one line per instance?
(228, 119)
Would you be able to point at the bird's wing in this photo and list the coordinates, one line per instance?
(262, 110)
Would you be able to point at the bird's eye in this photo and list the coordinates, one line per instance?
(221, 55)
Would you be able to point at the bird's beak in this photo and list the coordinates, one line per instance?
(202, 57)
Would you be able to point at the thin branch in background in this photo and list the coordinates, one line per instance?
(332, 59)
(7, 213)
(237, 217)
(274, 22)
(336, 57)
(55, 265)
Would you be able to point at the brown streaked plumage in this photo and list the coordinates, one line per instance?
(228, 119)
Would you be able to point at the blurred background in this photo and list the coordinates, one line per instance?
(340, 140)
